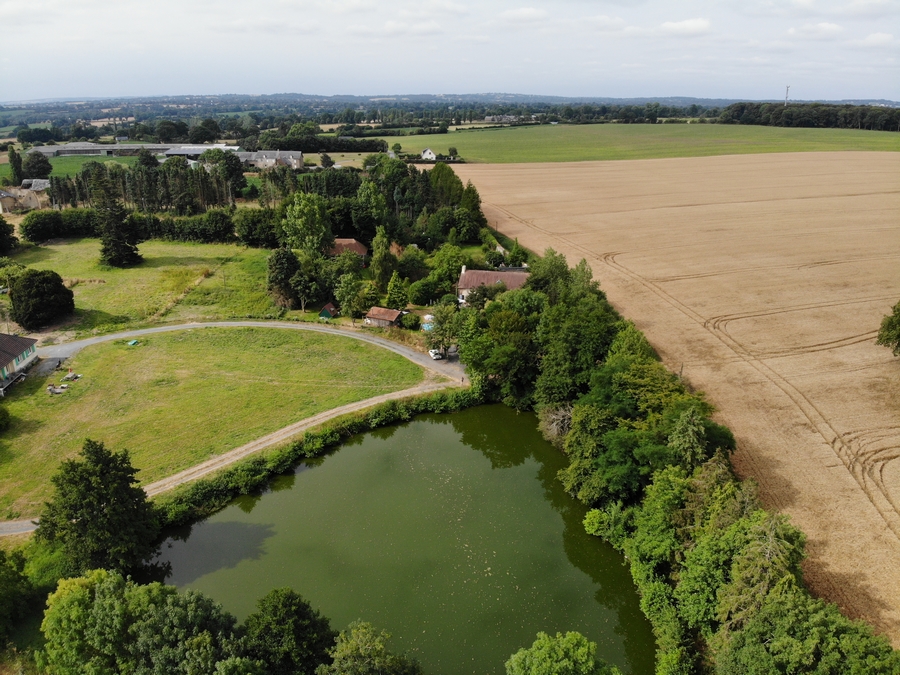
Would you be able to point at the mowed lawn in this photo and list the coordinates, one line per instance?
(176, 399)
(107, 298)
(571, 143)
(69, 165)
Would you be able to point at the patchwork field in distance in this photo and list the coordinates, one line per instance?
(763, 278)
(585, 142)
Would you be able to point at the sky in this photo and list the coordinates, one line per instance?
(749, 49)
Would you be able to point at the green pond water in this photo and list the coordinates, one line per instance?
(451, 532)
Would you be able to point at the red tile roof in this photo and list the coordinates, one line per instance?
(474, 278)
(384, 314)
(341, 245)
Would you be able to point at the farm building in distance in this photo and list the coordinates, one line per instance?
(428, 154)
(469, 280)
(383, 317)
(266, 159)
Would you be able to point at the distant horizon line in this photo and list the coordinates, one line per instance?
(473, 97)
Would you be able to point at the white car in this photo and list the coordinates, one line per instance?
(435, 354)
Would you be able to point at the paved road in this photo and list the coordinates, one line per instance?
(450, 369)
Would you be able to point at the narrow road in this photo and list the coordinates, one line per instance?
(449, 369)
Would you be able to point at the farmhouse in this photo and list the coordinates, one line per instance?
(341, 245)
(469, 280)
(194, 151)
(16, 353)
(428, 154)
(8, 202)
(383, 317)
(266, 159)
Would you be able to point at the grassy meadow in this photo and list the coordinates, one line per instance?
(108, 298)
(176, 399)
(71, 164)
(572, 143)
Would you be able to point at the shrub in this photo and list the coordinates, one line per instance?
(78, 223)
(40, 226)
(38, 297)
(256, 227)
(411, 321)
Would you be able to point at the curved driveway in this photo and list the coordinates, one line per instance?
(449, 369)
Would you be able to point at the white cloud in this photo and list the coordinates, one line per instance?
(524, 15)
(604, 22)
(817, 31)
(875, 40)
(267, 26)
(398, 28)
(688, 27)
(871, 8)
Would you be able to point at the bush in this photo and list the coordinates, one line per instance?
(411, 321)
(422, 292)
(38, 298)
(8, 240)
(40, 226)
(78, 223)
(214, 226)
(256, 227)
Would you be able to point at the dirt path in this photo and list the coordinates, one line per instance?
(765, 278)
(452, 373)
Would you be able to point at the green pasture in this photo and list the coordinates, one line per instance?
(571, 143)
(71, 164)
(177, 399)
(108, 298)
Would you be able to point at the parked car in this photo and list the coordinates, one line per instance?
(435, 354)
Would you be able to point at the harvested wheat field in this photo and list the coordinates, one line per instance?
(765, 278)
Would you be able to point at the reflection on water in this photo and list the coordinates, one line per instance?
(463, 556)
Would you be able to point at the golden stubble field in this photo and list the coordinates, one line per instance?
(765, 278)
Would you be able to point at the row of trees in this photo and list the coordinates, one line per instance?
(819, 115)
(151, 187)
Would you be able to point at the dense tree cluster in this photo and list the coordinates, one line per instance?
(818, 115)
(105, 623)
(150, 187)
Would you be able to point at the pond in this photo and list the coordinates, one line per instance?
(451, 532)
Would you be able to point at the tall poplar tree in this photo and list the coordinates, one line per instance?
(15, 163)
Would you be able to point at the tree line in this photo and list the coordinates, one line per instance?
(719, 577)
(814, 115)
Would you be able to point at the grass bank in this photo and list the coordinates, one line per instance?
(177, 399)
(573, 143)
